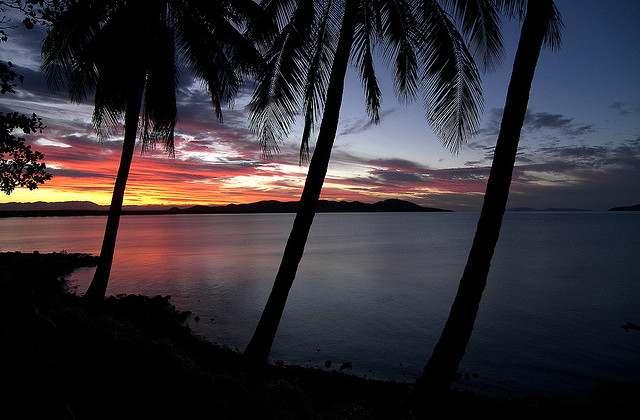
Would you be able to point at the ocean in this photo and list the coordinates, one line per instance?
(373, 290)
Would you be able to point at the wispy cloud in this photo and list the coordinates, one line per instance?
(537, 121)
(361, 124)
(624, 109)
(534, 121)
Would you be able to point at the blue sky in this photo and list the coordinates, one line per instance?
(580, 146)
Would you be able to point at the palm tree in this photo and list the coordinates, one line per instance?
(126, 53)
(305, 71)
(541, 25)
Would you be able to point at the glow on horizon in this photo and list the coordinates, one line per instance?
(86, 172)
(580, 146)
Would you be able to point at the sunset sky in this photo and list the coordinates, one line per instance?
(580, 146)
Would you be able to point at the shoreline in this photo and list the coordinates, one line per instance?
(136, 358)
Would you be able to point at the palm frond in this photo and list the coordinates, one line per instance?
(209, 58)
(159, 105)
(281, 11)
(276, 99)
(451, 79)
(553, 37)
(68, 51)
(113, 47)
(512, 8)
(400, 37)
(226, 24)
(518, 9)
(240, 12)
(257, 26)
(317, 78)
(120, 65)
(109, 107)
(364, 37)
(481, 25)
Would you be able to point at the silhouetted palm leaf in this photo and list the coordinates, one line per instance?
(317, 78)
(80, 52)
(518, 8)
(479, 23)
(67, 50)
(420, 41)
(401, 38)
(453, 91)
(276, 99)
(365, 36)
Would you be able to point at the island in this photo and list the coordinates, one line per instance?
(627, 208)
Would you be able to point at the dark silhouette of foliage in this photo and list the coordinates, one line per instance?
(305, 71)
(8, 77)
(20, 165)
(126, 53)
(32, 13)
(541, 25)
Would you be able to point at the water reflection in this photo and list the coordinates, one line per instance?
(375, 289)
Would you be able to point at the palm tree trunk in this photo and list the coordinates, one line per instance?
(433, 384)
(98, 287)
(257, 352)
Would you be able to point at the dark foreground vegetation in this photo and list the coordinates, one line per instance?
(134, 358)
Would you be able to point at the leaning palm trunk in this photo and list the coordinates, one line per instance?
(98, 287)
(435, 380)
(257, 352)
(88, 43)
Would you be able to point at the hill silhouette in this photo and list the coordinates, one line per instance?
(87, 208)
(627, 208)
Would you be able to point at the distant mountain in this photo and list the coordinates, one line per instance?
(41, 205)
(399, 205)
(628, 208)
(324, 206)
(71, 206)
(550, 209)
(79, 208)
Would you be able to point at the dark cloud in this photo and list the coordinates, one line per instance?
(358, 125)
(400, 177)
(584, 176)
(397, 164)
(534, 121)
(586, 189)
(485, 148)
(552, 175)
(592, 156)
(475, 163)
(72, 173)
(624, 109)
(540, 120)
(537, 121)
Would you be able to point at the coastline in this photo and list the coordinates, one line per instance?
(135, 358)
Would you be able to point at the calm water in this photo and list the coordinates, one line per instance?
(375, 289)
